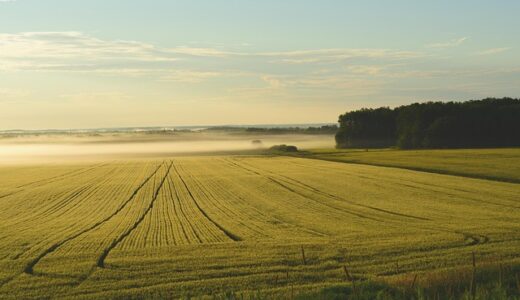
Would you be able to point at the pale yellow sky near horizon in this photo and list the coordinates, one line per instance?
(98, 64)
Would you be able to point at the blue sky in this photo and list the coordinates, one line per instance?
(77, 64)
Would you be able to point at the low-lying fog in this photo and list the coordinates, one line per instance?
(56, 148)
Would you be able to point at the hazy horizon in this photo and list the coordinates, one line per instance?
(43, 149)
(70, 64)
(170, 127)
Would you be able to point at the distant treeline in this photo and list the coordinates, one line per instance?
(325, 129)
(479, 123)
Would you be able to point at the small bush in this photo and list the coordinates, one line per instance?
(284, 148)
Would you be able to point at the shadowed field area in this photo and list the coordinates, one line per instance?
(192, 226)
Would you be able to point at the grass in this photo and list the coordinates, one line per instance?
(494, 164)
(258, 227)
(488, 282)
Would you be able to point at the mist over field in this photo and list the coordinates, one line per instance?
(54, 148)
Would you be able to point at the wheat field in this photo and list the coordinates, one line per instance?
(200, 226)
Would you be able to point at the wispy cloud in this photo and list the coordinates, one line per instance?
(242, 72)
(78, 52)
(67, 45)
(492, 51)
(449, 44)
(206, 52)
(336, 55)
(189, 76)
(71, 44)
(72, 51)
(370, 70)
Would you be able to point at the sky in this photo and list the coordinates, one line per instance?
(125, 63)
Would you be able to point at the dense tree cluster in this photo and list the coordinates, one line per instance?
(325, 129)
(479, 123)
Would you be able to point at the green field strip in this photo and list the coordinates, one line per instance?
(446, 189)
(489, 164)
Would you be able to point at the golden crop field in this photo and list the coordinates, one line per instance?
(195, 226)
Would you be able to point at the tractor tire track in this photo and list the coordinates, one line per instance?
(431, 188)
(280, 221)
(183, 214)
(423, 187)
(471, 239)
(52, 179)
(59, 177)
(29, 268)
(88, 190)
(312, 189)
(101, 260)
(206, 190)
(265, 216)
(229, 234)
(335, 197)
(284, 186)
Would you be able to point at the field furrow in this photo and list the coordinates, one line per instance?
(52, 243)
(101, 259)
